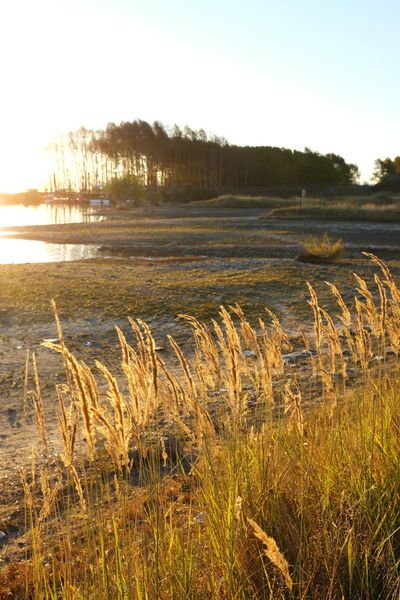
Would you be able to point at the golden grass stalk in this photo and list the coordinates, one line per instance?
(62, 348)
(345, 315)
(272, 552)
(335, 351)
(78, 485)
(249, 334)
(362, 337)
(184, 365)
(392, 303)
(206, 363)
(121, 422)
(371, 313)
(49, 491)
(68, 422)
(318, 328)
(293, 408)
(141, 367)
(80, 375)
(26, 383)
(39, 409)
(383, 307)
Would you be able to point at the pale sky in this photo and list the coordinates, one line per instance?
(289, 73)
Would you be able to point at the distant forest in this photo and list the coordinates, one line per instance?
(161, 158)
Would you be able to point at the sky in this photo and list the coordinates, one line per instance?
(288, 73)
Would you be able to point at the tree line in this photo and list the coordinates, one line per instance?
(161, 158)
(386, 168)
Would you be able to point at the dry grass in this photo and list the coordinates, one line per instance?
(170, 472)
(372, 207)
(243, 201)
(345, 210)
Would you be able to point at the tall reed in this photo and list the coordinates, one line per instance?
(219, 473)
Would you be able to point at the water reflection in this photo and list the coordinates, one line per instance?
(14, 251)
(46, 214)
(17, 251)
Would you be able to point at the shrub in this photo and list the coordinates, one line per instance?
(322, 248)
(125, 188)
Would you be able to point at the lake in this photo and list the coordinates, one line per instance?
(28, 251)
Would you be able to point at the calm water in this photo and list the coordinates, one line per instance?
(27, 251)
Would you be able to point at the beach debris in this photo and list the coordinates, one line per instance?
(293, 357)
(51, 340)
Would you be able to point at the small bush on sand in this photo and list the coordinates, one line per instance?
(321, 248)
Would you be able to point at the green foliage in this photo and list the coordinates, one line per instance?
(347, 173)
(385, 168)
(172, 159)
(152, 197)
(124, 189)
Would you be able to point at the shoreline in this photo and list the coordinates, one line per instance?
(95, 295)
